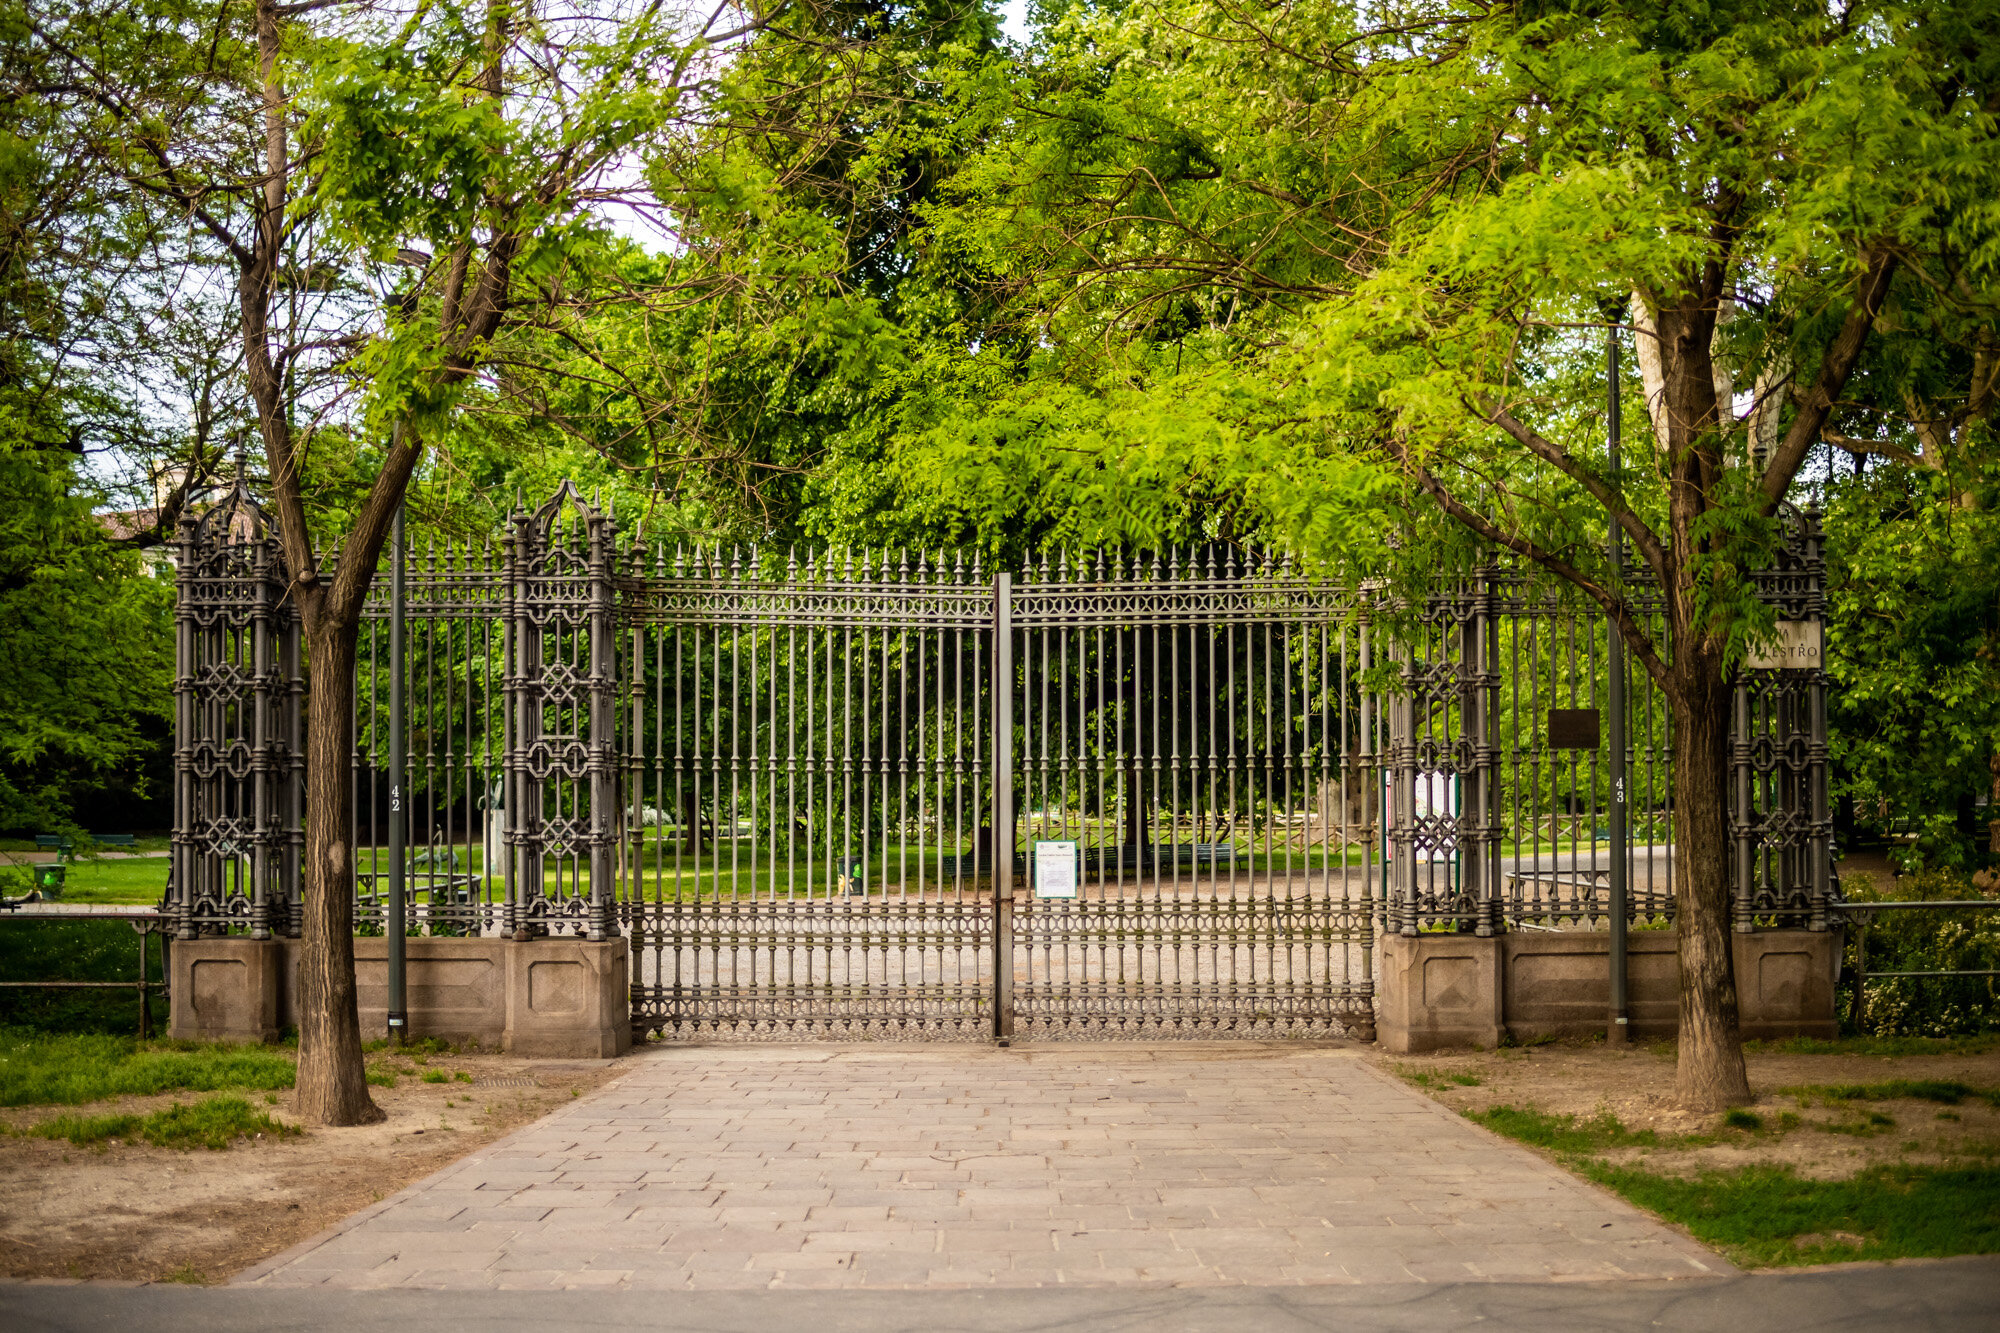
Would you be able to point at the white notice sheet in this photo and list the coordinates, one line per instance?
(1055, 869)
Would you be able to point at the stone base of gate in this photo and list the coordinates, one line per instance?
(548, 998)
(569, 999)
(1459, 990)
(226, 990)
(453, 989)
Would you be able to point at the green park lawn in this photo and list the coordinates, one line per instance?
(742, 869)
(738, 870)
(1860, 1148)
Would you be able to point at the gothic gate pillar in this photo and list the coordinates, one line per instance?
(562, 768)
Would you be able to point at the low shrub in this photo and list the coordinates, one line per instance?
(1926, 941)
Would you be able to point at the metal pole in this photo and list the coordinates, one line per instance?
(145, 1000)
(1618, 1029)
(393, 918)
(1003, 808)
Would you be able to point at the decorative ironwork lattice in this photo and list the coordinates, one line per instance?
(238, 753)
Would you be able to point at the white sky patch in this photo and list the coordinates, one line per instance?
(1014, 20)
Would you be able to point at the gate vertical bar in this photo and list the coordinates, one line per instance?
(606, 815)
(265, 690)
(1003, 807)
(1820, 834)
(524, 794)
(1479, 836)
(1401, 842)
(1743, 812)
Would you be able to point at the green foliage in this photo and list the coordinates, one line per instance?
(45, 950)
(1913, 608)
(1926, 941)
(213, 1123)
(1738, 1118)
(85, 648)
(46, 1069)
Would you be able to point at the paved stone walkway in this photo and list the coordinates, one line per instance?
(825, 1166)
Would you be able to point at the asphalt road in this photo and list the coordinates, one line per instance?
(1953, 1294)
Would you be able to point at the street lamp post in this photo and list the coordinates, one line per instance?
(394, 917)
(1618, 1030)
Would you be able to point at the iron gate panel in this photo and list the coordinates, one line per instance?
(1195, 725)
(808, 763)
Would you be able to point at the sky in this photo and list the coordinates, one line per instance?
(1014, 19)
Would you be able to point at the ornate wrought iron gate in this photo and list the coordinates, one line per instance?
(899, 795)
(1192, 753)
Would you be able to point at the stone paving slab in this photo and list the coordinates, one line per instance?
(736, 1167)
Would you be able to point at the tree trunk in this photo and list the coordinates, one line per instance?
(1709, 1075)
(333, 1082)
(1993, 827)
(692, 823)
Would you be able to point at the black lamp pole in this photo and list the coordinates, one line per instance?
(1618, 1029)
(394, 917)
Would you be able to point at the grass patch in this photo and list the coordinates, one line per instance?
(1424, 1078)
(1869, 1045)
(1770, 1216)
(139, 881)
(38, 1069)
(1566, 1134)
(1738, 1118)
(1945, 1092)
(1767, 1216)
(212, 1122)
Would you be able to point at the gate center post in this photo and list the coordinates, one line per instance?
(1003, 808)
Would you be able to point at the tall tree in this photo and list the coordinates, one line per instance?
(1306, 267)
(319, 150)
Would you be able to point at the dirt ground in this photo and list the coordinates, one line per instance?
(136, 1212)
(1820, 1138)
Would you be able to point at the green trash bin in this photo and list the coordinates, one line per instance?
(49, 879)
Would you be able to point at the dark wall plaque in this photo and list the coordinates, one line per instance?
(1572, 728)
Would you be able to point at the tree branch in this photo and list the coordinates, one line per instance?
(1596, 487)
(1809, 426)
(1615, 607)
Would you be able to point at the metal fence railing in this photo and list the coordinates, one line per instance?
(146, 922)
(1862, 916)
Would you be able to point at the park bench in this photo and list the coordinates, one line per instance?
(64, 846)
